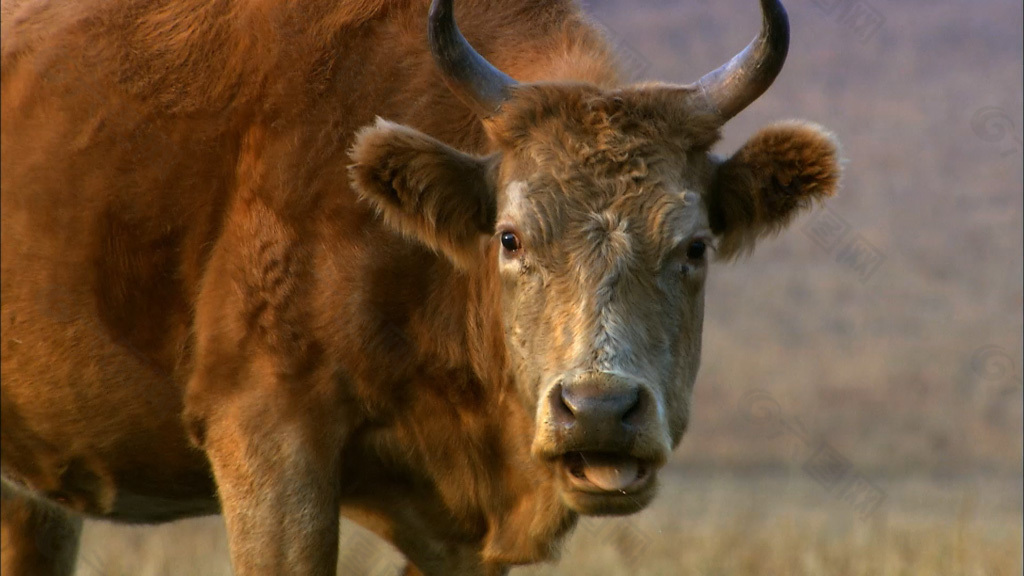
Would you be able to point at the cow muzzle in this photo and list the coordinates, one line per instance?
(606, 437)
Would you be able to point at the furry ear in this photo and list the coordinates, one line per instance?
(780, 171)
(425, 189)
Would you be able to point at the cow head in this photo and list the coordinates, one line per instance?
(599, 211)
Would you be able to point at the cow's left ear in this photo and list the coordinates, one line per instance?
(425, 189)
(780, 171)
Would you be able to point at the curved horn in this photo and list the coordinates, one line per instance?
(472, 78)
(735, 85)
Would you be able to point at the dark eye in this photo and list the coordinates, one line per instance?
(509, 241)
(696, 250)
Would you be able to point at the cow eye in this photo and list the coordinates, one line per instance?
(510, 242)
(696, 250)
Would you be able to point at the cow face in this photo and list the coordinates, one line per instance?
(599, 212)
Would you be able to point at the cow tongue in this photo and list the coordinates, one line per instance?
(611, 473)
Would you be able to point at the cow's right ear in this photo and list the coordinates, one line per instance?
(425, 189)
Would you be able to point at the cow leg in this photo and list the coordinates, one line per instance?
(278, 489)
(263, 402)
(38, 538)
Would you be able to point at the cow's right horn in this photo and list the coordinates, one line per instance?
(471, 77)
(737, 83)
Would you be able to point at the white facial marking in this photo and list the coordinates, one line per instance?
(689, 222)
(514, 201)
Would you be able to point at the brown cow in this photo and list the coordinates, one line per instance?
(461, 326)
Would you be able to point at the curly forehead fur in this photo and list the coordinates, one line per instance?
(607, 133)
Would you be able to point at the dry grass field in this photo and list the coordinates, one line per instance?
(859, 408)
(708, 523)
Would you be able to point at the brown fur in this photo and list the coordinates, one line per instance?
(37, 538)
(200, 315)
(780, 171)
(411, 173)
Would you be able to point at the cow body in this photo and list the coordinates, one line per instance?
(200, 316)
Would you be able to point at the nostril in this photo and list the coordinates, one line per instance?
(562, 411)
(629, 404)
(634, 410)
(570, 403)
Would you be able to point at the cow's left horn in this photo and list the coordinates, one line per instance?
(740, 81)
(468, 74)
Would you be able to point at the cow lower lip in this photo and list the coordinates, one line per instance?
(603, 473)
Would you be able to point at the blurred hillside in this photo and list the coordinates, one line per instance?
(887, 324)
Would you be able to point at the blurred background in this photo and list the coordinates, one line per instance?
(859, 409)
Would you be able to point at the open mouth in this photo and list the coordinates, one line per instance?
(604, 473)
